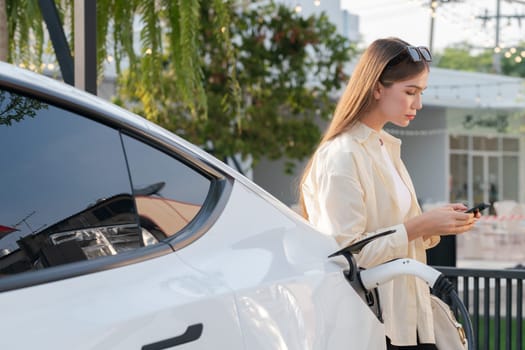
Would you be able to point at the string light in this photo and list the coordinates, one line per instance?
(517, 54)
(317, 2)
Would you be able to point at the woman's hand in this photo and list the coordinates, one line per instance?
(450, 219)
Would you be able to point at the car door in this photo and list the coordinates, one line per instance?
(290, 295)
(84, 262)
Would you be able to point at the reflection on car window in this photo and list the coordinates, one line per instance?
(168, 193)
(64, 191)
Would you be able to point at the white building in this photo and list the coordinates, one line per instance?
(347, 24)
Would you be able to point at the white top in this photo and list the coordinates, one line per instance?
(405, 200)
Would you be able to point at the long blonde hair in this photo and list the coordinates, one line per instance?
(386, 61)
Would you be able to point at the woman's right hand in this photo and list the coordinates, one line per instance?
(450, 219)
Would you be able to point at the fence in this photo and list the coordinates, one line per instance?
(494, 299)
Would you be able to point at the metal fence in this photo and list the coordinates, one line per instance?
(494, 299)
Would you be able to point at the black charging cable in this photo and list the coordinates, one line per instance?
(445, 290)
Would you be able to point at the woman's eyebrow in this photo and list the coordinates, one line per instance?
(416, 87)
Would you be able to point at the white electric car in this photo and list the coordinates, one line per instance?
(117, 234)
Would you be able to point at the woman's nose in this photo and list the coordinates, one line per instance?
(418, 102)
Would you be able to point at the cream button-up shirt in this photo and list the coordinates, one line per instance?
(350, 193)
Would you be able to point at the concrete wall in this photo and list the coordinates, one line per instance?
(270, 175)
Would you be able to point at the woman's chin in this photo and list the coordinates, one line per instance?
(402, 124)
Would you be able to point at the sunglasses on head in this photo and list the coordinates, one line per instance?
(418, 53)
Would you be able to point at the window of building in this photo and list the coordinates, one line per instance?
(484, 168)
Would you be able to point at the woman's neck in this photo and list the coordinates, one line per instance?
(373, 121)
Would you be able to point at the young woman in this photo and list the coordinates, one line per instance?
(356, 185)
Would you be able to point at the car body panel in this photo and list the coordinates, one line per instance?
(248, 273)
(289, 294)
(122, 308)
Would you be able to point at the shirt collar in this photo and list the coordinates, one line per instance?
(362, 133)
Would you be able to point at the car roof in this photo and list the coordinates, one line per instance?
(68, 97)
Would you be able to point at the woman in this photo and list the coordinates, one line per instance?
(356, 185)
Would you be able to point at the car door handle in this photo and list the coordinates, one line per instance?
(192, 333)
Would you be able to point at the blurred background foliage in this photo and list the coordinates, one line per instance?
(247, 78)
(283, 71)
(465, 57)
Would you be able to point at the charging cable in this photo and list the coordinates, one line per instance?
(375, 276)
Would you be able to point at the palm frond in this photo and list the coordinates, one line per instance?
(189, 74)
(223, 22)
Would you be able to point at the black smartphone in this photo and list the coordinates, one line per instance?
(478, 208)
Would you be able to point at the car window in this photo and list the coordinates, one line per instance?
(70, 191)
(168, 193)
(65, 193)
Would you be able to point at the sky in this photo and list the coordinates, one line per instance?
(455, 21)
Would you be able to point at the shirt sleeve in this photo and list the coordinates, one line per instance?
(342, 211)
(431, 241)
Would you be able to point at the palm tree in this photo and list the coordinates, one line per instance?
(23, 32)
(3, 31)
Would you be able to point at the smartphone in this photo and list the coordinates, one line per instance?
(478, 208)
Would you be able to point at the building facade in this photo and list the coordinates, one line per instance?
(347, 23)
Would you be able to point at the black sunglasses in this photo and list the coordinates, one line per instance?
(418, 53)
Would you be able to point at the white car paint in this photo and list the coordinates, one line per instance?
(122, 308)
(271, 287)
(259, 278)
(289, 294)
